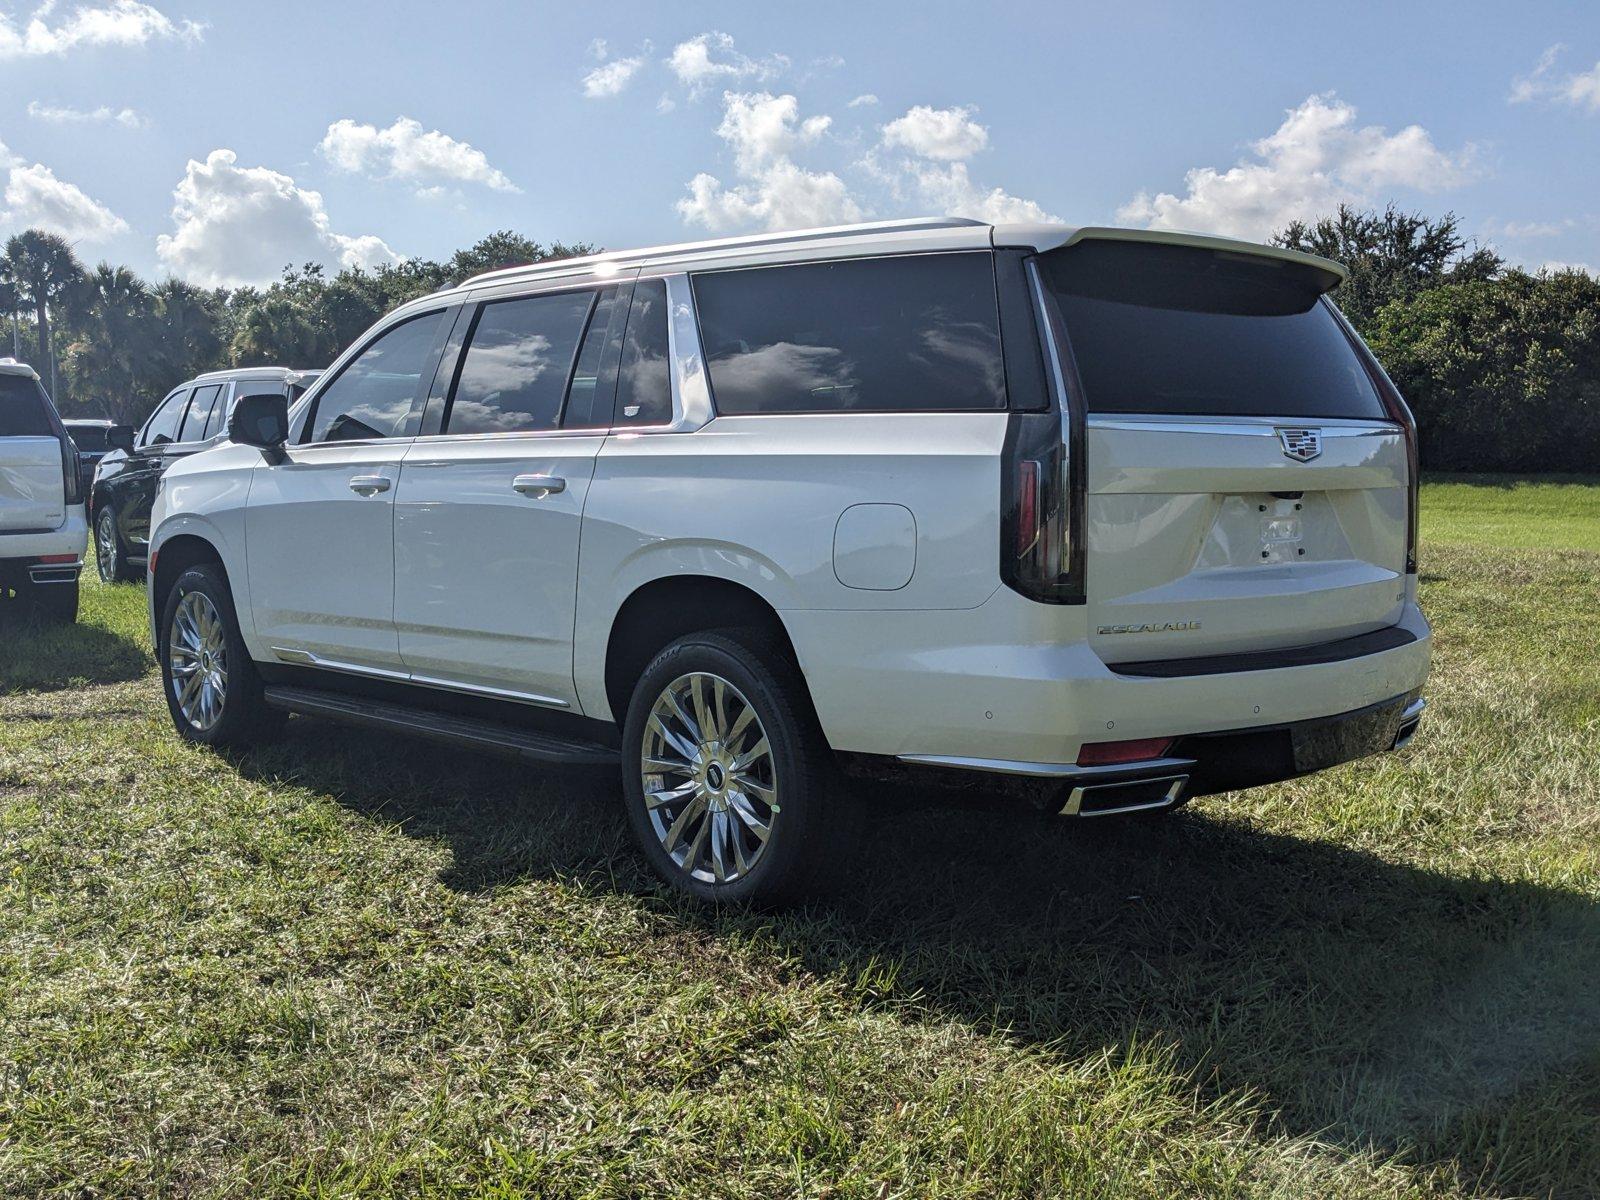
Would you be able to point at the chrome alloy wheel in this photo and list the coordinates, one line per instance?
(197, 655)
(710, 784)
(105, 544)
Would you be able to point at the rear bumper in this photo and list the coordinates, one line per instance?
(1015, 687)
(20, 553)
(1202, 764)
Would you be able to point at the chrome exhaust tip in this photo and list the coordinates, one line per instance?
(1126, 796)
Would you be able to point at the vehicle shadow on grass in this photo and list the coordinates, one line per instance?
(38, 655)
(1453, 1021)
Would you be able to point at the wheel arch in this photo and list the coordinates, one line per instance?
(664, 609)
(176, 555)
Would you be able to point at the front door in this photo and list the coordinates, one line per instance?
(319, 525)
(488, 510)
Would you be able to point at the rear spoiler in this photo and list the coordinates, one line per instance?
(1043, 238)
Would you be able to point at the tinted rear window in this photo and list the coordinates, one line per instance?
(22, 410)
(1174, 329)
(89, 438)
(900, 334)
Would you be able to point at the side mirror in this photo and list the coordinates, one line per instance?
(120, 437)
(261, 420)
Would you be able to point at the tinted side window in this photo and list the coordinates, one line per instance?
(644, 388)
(200, 408)
(904, 334)
(514, 370)
(22, 411)
(591, 379)
(374, 395)
(88, 438)
(163, 423)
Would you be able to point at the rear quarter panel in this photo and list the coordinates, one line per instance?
(757, 500)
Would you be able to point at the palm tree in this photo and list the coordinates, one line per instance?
(10, 303)
(191, 339)
(112, 362)
(45, 268)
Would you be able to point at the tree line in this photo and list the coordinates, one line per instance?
(1500, 365)
(109, 344)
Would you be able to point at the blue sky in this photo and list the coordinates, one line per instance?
(219, 141)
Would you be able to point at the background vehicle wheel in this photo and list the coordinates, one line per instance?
(55, 602)
(212, 688)
(109, 555)
(729, 783)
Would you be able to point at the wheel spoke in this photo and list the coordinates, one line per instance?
(741, 806)
(754, 787)
(719, 846)
(702, 715)
(740, 724)
(759, 751)
(658, 726)
(682, 713)
(668, 795)
(666, 766)
(685, 818)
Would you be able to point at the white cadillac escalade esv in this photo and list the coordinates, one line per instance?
(1128, 515)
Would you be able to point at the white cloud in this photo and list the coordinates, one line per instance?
(949, 191)
(242, 225)
(62, 115)
(33, 198)
(921, 159)
(611, 78)
(1317, 158)
(947, 134)
(710, 57)
(775, 192)
(120, 23)
(406, 151)
(1554, 266)
(1581, 89)
(597, 49)
(864, 99)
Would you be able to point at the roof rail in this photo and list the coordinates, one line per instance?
(623, 257)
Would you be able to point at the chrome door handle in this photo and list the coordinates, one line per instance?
(369, 485)
(538, 486)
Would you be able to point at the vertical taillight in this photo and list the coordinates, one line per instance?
(71, 474)
(1041, 477)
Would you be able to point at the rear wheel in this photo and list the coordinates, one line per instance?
(109, 555)
(729, 783)
(212, 687)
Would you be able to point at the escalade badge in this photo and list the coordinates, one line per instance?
(1163, 627)
(1302, 445)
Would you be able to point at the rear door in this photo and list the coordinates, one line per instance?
(1246, 488)
(32, 485)
(488, 508)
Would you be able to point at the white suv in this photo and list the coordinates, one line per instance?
(42, 528)
(1126, 516)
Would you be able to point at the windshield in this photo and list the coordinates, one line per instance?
(1183, 330)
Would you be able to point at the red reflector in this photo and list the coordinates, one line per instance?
(1027, 505)
(55, 558)
(1102, 754)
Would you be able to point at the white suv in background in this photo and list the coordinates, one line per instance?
(1125, 516)
(42, 528)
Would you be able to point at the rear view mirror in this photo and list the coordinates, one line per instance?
(261, 420)
(120, 437)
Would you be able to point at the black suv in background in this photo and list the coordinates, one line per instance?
(93, 439)
(188, 419)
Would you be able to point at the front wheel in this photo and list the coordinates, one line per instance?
(212, 687)
(729, 783)
(108, 553)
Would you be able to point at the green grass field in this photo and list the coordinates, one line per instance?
(354, 966)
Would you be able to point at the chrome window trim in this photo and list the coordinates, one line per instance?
(1242, 426)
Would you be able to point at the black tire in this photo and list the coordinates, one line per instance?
(243, 718)
(812, 833)
(55, 602)
(110, 556)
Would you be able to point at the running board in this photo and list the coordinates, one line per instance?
(468, 732)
